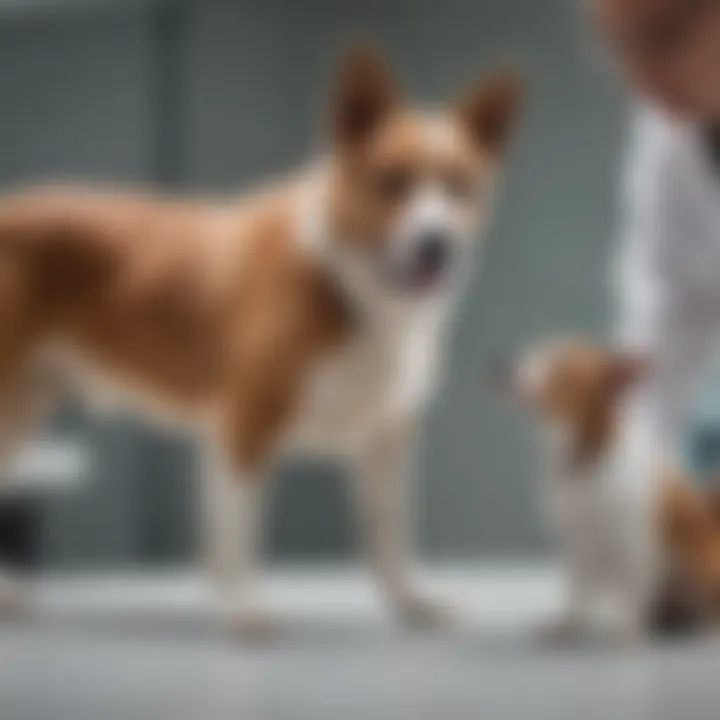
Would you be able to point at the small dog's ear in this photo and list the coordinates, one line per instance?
(625, 370)
(364, 93)
(489, 109)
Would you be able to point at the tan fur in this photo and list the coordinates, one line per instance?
(378, 137)
(212, 310)
(691, 533)
(581, 389)
(222, 311)
(362, 204)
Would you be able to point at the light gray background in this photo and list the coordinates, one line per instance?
(217, 94)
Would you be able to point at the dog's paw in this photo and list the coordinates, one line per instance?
(422, 613)
(253, 626)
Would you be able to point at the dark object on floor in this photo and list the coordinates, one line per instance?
(19, 532)
(676, 611)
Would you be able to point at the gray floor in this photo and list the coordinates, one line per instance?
(148, 647)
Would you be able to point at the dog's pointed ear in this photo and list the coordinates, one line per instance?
(625, 370)
(490, 108)
(364, 93)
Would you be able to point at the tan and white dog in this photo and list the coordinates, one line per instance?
(308, 316)
(631, 528)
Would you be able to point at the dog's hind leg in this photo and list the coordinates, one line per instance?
(24, 403)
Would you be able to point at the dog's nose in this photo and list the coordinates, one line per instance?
(433, 253)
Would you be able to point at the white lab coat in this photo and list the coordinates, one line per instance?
(667, 278)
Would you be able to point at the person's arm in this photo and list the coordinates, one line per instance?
(638, 282)
(653, 292)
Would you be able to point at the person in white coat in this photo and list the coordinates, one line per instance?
(667, 276)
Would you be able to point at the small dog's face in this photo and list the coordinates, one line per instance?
(410, 188)
(574, 387)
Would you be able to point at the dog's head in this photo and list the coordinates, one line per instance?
(410, 188)
(575, 388)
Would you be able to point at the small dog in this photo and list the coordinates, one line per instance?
(309, 316)
(636, 536)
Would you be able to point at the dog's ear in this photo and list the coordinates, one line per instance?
(364, 93)
(625, 370)
(489, 109)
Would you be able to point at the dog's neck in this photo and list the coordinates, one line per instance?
(372, 300)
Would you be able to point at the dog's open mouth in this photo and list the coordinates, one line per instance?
(419, 277)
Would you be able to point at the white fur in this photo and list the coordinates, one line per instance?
(605, 518)
(429, 210)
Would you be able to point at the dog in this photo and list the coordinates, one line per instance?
(641, 545)
(307, 316)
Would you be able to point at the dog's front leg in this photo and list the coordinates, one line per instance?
(382, 482)
(232, 535)
(582, 585)
(637, 585)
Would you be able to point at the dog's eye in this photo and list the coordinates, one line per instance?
(459, 184)
(393, 183)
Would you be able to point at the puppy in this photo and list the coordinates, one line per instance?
(601, 486)
(633, 530)
(306, 316)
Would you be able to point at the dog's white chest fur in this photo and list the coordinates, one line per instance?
(604, 512)
(385, 375)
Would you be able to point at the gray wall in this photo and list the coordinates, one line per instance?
(226, 93)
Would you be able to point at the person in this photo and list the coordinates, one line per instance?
(667, 275)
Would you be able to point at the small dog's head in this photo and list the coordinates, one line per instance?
(575, 388)
(411, 188)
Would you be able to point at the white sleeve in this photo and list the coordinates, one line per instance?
(656, 282)
(638, 277)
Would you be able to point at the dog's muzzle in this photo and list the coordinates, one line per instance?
(426, 262)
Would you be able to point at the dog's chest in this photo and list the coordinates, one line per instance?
(378, 378)
(602, 510)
